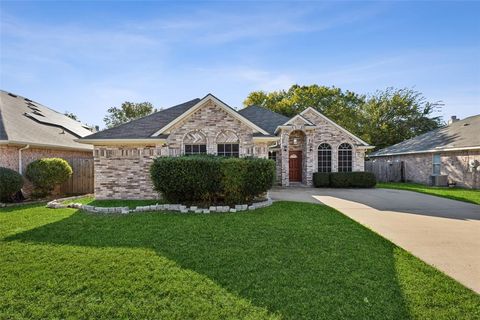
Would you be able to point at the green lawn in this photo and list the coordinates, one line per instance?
(288, 261)
(466, 195)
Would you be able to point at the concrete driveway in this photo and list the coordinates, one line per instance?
(442, 232)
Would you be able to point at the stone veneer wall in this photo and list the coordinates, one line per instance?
(455, 164)
(123, 172)
(324, 132)
(214, 123)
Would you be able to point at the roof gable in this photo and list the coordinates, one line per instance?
(198, 105)
(317, 113)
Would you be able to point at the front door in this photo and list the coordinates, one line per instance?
(295, 165)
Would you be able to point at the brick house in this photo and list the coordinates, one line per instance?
(450, 154)
(300, 145)
(30, 131)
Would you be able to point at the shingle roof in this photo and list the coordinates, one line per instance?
(462, 134)
(23, 121)
(264, 118)
(143, 128)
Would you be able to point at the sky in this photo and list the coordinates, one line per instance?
(85, 57)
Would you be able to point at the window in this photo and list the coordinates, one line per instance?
(272, 155)
(228, 149)
(324, 158)
(436, 164)
(345, 158)
(195, 149)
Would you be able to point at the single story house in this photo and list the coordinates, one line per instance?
(300, 145)
(30, 131)
(448, 155)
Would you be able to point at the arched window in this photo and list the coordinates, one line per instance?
(194, 142)
(228, 144)
(324, 158)
(345, 158)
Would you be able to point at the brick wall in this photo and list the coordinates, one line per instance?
(9, 158)
(454, 164)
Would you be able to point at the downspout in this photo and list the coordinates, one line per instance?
(20, 157)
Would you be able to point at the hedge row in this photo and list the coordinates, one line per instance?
(210, 179)
(344, 179)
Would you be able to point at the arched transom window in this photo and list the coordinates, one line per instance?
(345, 158)
(324, 158)
(195, 142)
(228, 144)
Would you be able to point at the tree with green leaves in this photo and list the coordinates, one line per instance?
(394, 115)
(128, 111)
(387, 117)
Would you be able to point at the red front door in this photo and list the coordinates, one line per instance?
(295, 165)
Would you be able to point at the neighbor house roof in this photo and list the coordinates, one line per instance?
(23, 121)
(460, 135)
(264, 118)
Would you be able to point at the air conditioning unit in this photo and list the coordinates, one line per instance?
(439, 181)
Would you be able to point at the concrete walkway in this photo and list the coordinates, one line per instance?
(442, 232)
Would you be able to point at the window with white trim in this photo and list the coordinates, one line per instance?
(345, 158)
(324, 158)
(436, 164)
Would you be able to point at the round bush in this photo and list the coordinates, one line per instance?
(47, 173)
(209, 179)
(10, 183)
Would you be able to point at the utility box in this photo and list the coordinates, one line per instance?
(439, 180)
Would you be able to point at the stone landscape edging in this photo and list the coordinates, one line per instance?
(56, 204)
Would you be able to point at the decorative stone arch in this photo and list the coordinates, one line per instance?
(195, 138)
(227, 136)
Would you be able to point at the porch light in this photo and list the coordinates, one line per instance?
(295, 141)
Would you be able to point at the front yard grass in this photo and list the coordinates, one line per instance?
(466, 195)
(114, 203)
(288, 261)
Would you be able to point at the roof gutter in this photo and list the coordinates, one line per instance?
(99, 142)
(424, 151)
(40, 145)
(20, 157)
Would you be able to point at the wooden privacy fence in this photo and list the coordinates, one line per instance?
(81, 181)
(386, 171)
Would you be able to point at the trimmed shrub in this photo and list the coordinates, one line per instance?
(209, 179)
(352, 180)
(10, 183)
(45, 174)
(321, 179)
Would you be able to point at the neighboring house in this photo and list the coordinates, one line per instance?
(300, 145)
(30, 131)
(450, 154)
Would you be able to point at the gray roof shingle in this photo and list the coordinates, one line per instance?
(143, 128)
(264, 118)
(27, 122)
(461, 134)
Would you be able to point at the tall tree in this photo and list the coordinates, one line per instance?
(340, 106)
(394, 115)
(382, 119)
(128, 111)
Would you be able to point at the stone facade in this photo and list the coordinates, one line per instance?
(122, 171)
(309, 137)
(454, 164)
